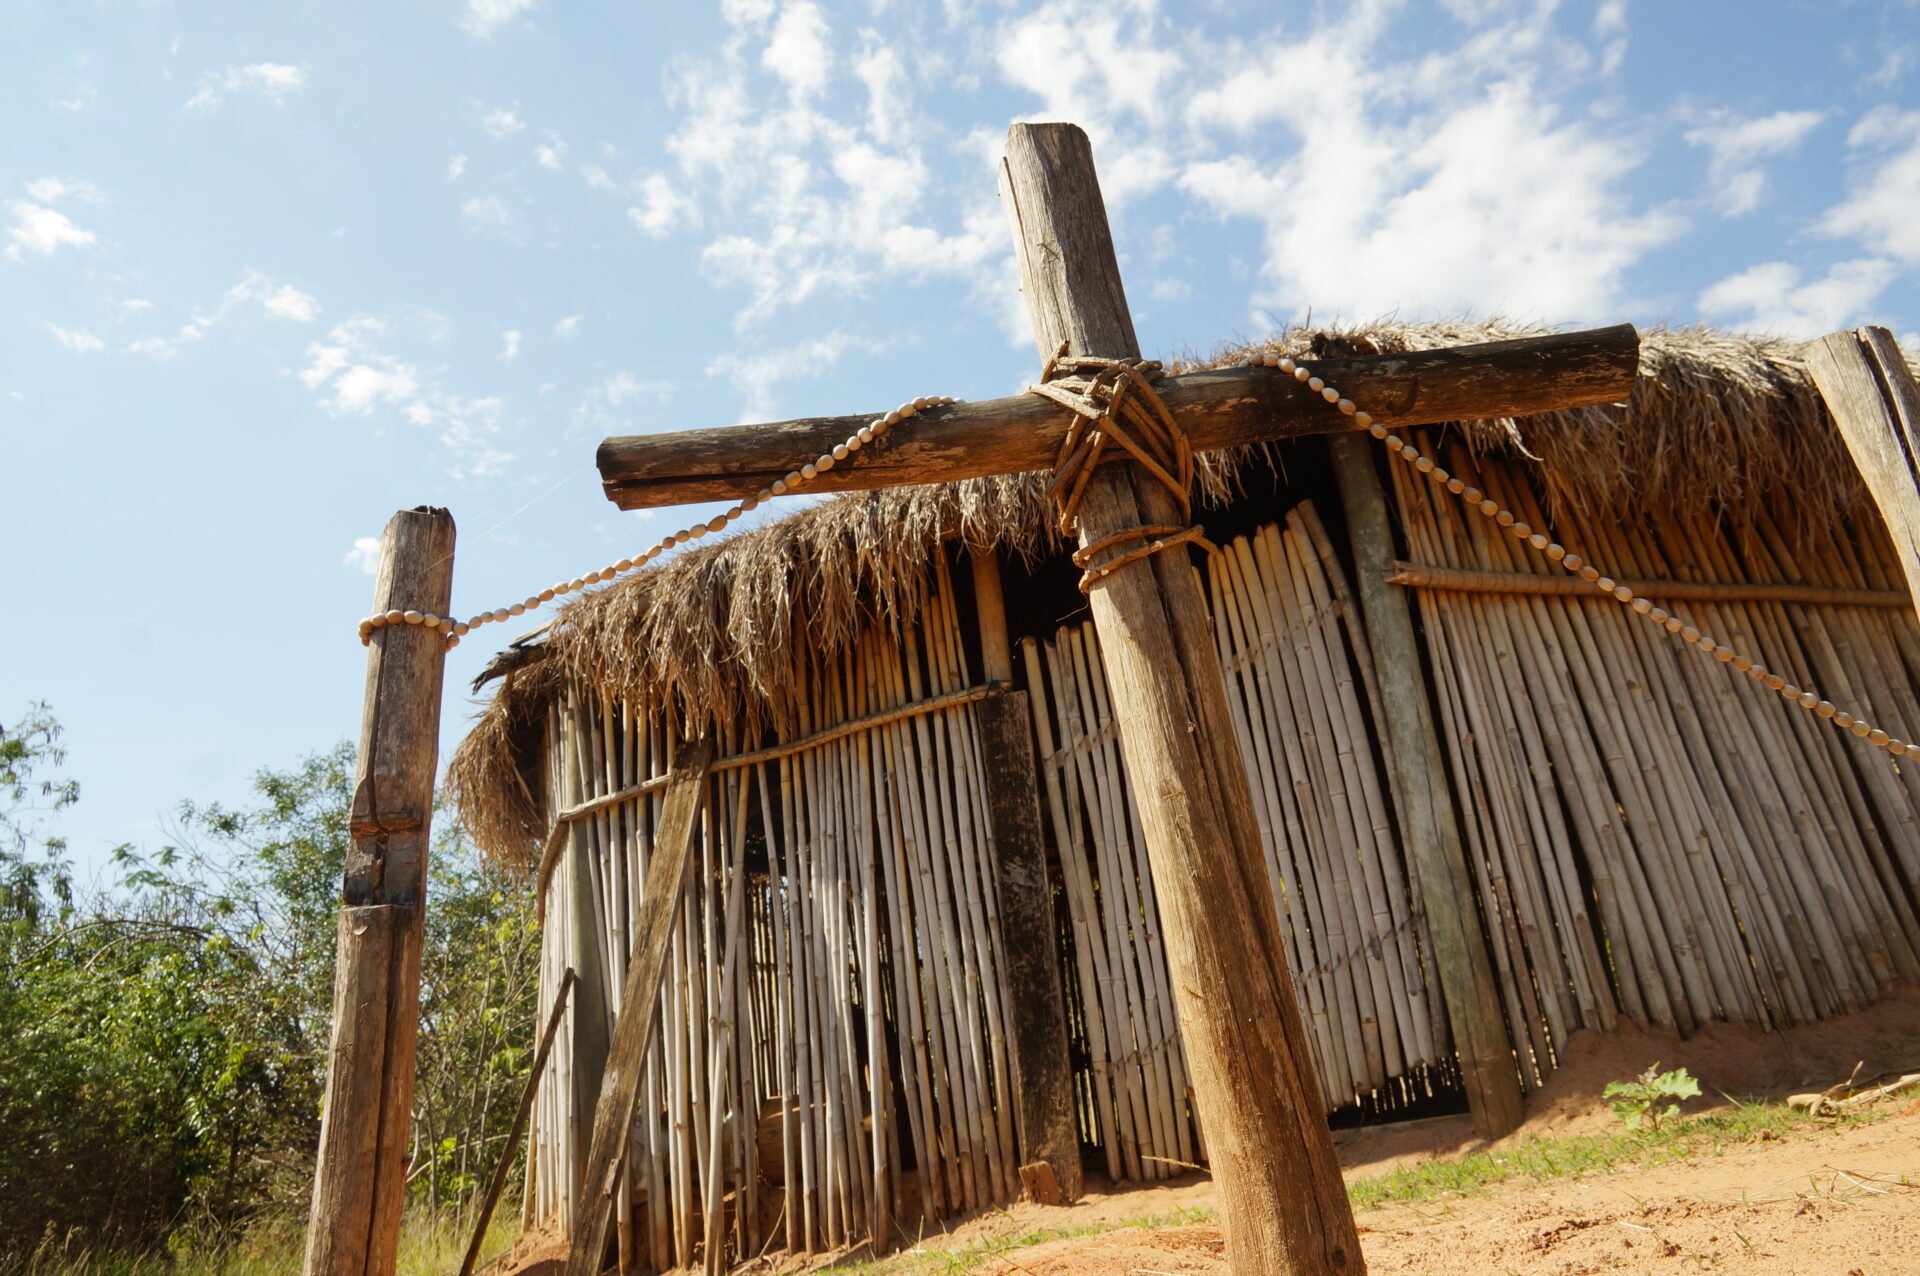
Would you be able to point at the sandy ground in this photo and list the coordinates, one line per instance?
(1839, 1202)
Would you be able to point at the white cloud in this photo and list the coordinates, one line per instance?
(509, 346)
(799, 52)
(661, 207)
(78, 340)
(502, 122)
(354, 372)
(41, 230)
(549, 153)
(487, 211)
(274, 81)
(623, 386)
(83, 98)
(1884, 193)
(812, 204)
(1772, 297)
(756, 373)
(569, 328)
(365, 555)
(1456, 183)
(484, 18)
(1735, 146)
(134, 305)
(456, 166)
(51, 190)
(276, 300)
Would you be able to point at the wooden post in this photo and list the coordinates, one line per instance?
(1043, 1072)
(587, 1046)
(1870, 390)
(1283, 1203)
(1459, 949)
(360, 1179)
(639, 1003)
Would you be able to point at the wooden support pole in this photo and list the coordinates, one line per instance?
(1283, 1203)
(1870, 390)
(639, 1004)
(360, 1178)
(1224, 407)
(527, 1093)
(1459, 947)
(1043, 1072)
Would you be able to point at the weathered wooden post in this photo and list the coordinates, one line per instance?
(1870, 390)
(360, 1180)
(1043, 1072)
(1487, 1065)
(1282, 1197)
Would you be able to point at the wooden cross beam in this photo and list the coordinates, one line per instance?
(1220, 408)
(1282, 1198)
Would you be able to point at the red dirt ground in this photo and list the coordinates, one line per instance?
(1841, 1202)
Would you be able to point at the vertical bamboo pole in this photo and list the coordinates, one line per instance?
(1285, 1207)
(360, 1180)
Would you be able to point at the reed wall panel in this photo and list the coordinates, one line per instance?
(1652, 833)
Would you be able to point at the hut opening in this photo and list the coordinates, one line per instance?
(836, 1059)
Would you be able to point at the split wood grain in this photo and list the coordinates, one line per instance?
(1283, 1202)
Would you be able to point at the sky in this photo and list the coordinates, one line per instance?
(270, 272)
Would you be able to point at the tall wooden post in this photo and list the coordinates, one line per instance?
(1043, 1071)
(1870, 390)
(360, 1181)
(1282, 1199)
(1459, 948)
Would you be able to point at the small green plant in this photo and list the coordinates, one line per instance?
(1652, 1097)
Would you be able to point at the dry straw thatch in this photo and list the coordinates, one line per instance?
(729, 629)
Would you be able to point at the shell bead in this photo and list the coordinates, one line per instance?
(1330, 394)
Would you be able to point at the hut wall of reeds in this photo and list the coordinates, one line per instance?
(1649, 835)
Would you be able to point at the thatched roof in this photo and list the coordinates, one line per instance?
(728, 628)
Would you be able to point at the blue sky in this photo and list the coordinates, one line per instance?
(270, 272)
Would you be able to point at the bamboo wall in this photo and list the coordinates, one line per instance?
(1651, 834)
(1300, 689)
(1648, 835)
(832, 1056)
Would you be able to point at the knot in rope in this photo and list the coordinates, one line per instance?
(1114, 401)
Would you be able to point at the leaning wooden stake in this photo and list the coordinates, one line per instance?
(1870, 390)
(626, 1057)
(1043, 1073)
(1283, 1202)
(1433, 827)
(527, 1093)
(360, 1179)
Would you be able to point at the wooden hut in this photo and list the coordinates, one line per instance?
(1648, 834)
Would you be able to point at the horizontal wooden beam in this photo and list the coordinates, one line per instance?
(1468, 581)
(1222, 408)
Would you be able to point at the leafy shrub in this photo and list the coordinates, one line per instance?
(1652, 1097)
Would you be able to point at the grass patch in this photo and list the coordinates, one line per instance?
(429, 1246)
(1578, 1155)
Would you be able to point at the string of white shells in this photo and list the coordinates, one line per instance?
(456, 629)
(1809, 700)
